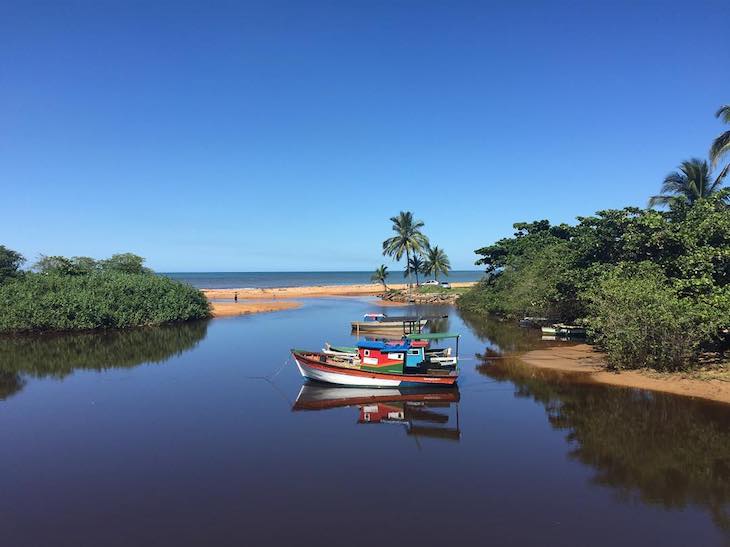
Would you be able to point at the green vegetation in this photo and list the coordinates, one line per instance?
(380, 275)
(80, 293)
(436, 263)
(721, 145)
(420, 256)
(437, 289)
(652, 286)
(408, 239)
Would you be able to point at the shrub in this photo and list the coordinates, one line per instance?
(99, 300)
(638, 318)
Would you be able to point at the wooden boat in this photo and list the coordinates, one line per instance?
(379, 322)
(560, 329)
(383, 364)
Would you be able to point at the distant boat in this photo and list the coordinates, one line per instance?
(560, 329)
(378, 322)
(402, 363)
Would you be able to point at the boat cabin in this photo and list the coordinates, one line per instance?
(412, 354)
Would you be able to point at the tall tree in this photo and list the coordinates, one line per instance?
(436, 262)
(415, 266)
(721, 145)
(408, 238)
(10, 262)
(691, 182)
(380, 275)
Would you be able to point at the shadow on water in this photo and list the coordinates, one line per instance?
(657, 448)
(57, 356)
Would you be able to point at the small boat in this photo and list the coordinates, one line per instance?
(404, 363)
(560, 329)
(378, 322)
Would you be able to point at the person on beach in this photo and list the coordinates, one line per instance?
(235, 297)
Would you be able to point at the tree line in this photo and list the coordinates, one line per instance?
(652, 285)
(81, 293)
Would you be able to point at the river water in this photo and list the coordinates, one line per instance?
(205, 434)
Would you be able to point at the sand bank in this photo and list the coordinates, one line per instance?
(230, 309)
(309, 292)
(582, 358)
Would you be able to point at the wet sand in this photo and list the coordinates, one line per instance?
(231, 309)
(582, 358)
(370, 289)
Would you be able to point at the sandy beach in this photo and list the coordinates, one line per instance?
(232, 309)
(582, 358)
(369, 289)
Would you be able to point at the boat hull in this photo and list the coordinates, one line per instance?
(322, 372)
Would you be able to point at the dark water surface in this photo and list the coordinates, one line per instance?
(167, 436)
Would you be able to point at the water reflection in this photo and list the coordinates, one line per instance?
(656, 448)
(58, 356)
(422, 413)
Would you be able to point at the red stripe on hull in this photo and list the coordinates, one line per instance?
(411, 378)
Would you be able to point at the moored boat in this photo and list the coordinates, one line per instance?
(560, 329)
(384, 364)
(379, 322)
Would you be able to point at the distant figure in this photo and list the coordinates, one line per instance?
(235, 297)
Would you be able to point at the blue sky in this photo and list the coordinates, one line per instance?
(233, 136)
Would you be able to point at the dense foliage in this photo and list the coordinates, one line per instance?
(652, 285)
(80, 293)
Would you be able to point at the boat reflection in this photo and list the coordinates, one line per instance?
(422, 412)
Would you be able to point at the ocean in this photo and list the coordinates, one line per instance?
(258, 280)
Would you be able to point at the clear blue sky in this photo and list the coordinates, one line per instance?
(234, 136)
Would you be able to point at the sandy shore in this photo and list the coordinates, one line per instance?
(309, 292)
(231, 309)
(582, 358)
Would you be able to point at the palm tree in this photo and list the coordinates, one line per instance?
(692, 182)
(436, 262)
(407, 239)
(721, 145)
(380, 275)
(415, 265)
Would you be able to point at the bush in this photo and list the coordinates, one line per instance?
(640, 321)
(99, 300)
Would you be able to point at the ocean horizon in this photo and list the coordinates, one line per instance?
(265, 280)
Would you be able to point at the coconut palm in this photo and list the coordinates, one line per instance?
(692, 182)
(721, 145)
(408, 238)
(436, 262)
(381, 275)
(415, 265)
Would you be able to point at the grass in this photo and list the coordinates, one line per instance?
(434, 289)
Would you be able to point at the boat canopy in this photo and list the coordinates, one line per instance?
(432, 336)
(376, 344)
(410, 318)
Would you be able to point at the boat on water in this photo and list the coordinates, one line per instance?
(560, 329)
(380, 322)
(399, 363)
(422, 411)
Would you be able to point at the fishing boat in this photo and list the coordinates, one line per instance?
(402, 363)
(560, 329)
(380, 322)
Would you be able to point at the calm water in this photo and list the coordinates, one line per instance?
(204, 434)
(237, 280)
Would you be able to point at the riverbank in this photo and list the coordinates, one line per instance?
(370, 289)
(583, 359)
(233, 309)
